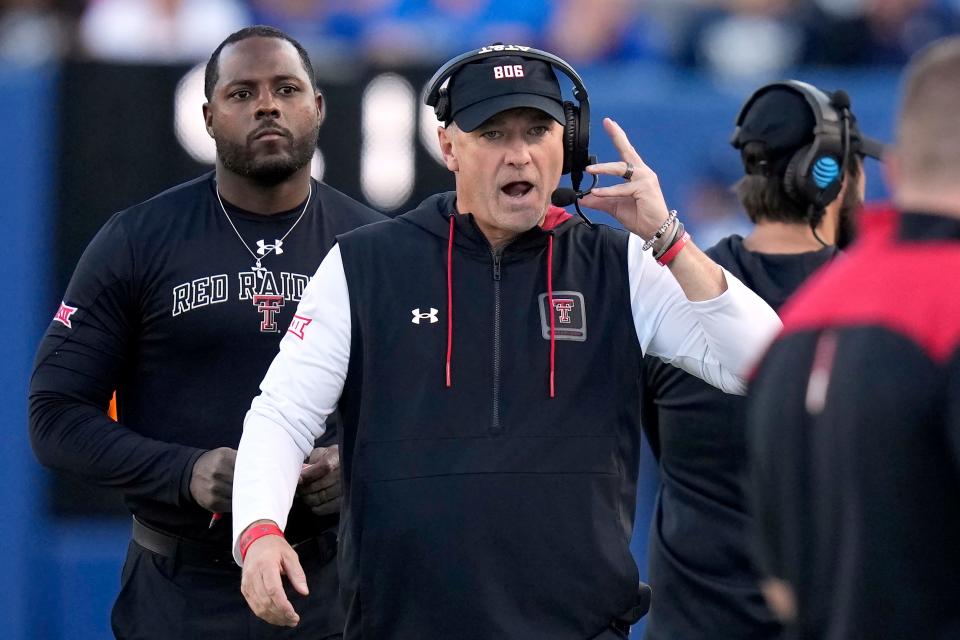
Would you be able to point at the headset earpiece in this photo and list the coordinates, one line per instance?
(791, 186)
(570, 132)
(813, 177)
(443, 105)
(823, 180)
(581, 134)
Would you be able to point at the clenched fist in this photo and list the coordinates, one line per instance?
(211, 483)
(319, 486)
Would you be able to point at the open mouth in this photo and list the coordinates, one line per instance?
(517, 189)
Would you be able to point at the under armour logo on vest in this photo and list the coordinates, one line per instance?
(263, 248)
(417, 316)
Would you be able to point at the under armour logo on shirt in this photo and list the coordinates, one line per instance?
(417, 316)
(263, 248)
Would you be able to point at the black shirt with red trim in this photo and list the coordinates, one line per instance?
(698, 555)
(854, 433)
(166, 307)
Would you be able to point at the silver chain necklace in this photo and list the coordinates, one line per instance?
(264, 249)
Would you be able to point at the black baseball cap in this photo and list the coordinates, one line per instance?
(483, 89)
(782, 120)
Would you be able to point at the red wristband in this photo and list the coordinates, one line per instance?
(254, 533)
(672, 252)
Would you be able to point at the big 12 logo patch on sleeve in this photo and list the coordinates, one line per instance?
(63, 315)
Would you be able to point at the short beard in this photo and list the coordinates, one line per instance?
(268, 172)
(847, 218)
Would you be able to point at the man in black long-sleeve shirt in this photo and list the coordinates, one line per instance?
(700, 561)
(178, 304)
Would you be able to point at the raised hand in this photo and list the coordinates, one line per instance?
(638, 203)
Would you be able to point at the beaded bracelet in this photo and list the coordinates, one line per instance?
(663, 228)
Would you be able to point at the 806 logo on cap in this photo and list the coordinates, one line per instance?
(508, 71)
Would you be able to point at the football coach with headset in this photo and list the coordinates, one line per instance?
(802, 153)
(484, 351)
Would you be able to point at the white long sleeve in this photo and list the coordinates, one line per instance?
(717, 340)
(299, 391)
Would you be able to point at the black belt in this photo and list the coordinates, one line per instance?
(322, 548)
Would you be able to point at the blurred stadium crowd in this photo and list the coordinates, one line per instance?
(726, 37)
(735, 43)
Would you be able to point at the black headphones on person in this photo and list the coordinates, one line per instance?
(814, 175)
(576, 129)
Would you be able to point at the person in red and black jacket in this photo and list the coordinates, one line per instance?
(854, 418)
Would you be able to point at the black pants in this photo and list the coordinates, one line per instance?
(164, 599)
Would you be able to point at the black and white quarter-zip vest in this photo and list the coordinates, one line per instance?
(486, 508)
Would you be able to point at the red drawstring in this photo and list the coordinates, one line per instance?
(554, 218)
(449, 300)
(553, 328)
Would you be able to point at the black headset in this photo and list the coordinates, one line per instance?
(576, 129)
(814, 174)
